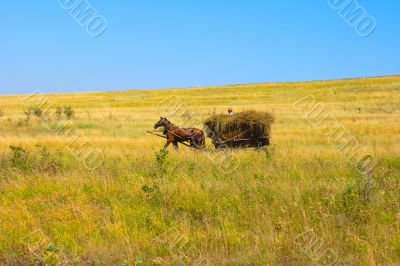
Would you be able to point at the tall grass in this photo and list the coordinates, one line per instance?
(143, 206)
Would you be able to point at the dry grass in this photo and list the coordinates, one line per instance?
(56, 211)
(247, 124)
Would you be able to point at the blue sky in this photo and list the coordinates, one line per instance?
(184, 43)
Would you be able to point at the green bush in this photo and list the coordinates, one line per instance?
(355, 205)
(34, 110)
(48, 163)
(69, 112)
(20, 158)
(51, 255)
(59, 112)
(162, 162)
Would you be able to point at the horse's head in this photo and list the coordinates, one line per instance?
(163, 122)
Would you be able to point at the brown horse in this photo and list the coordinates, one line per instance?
(177, 135)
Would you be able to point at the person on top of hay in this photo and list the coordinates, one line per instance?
(230, 111)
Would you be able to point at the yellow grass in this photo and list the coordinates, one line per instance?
(133, 210)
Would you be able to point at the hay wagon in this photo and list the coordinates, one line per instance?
(248, 129)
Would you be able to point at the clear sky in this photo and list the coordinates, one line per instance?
(184, 43)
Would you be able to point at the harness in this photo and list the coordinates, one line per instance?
(191, 138)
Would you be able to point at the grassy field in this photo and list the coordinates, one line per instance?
(97, 190)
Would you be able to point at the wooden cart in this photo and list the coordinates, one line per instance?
(241, 143)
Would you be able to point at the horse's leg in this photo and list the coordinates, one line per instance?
(196, 145)
(175, 143)
(193, 142)
(167, 144)
(170, 139)
(203, 140)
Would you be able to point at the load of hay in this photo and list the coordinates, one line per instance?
(244, 125)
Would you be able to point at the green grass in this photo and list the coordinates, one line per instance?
(137, 208)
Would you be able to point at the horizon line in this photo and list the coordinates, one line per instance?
(198, 87)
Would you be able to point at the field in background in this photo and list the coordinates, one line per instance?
(297, 202)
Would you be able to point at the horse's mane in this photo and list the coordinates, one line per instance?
(166, 119)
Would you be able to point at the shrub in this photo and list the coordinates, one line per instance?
(59, 112)
(269, 152)
(28, 115)
(36, 111)
(162, 162)
(137, 261)
(69, 112)
(355, 204)
(51, 255)
(48, 163)
(153, 194)
(20, 158)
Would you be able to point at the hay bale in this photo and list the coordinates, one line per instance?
(244, 125)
